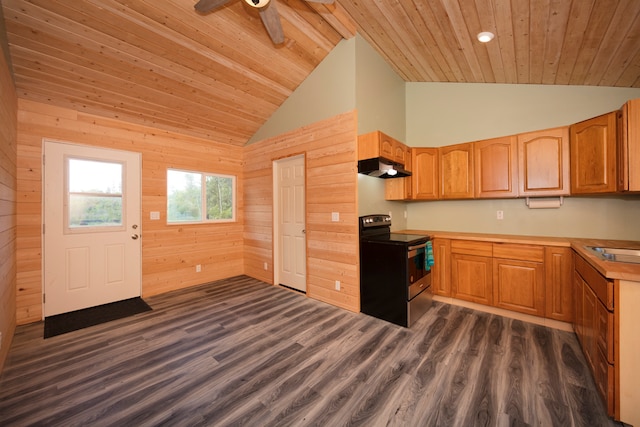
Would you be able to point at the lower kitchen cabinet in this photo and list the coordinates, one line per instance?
(471, 278)
(530, 279)
(518, 286)
(558, 266)
(594, 325)
(472, 271)
(441, 272)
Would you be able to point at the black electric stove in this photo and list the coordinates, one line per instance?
(395, 279)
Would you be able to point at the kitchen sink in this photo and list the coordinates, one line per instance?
(616, 254)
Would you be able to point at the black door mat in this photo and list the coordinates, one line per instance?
(80, 319)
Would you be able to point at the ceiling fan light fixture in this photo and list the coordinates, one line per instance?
(258, 4)
(485, 36)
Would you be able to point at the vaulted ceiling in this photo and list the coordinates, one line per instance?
(219, 76)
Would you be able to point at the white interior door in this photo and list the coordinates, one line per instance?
(292, 250)
(92, 232)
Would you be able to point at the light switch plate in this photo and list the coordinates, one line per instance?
(154, 215)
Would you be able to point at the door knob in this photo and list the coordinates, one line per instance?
(134, 236)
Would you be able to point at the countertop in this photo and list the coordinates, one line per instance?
(609, 269)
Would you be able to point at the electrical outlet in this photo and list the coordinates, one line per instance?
(198, 268)
(337, 285)
(335, 216)
(499, 215)
(265, 266)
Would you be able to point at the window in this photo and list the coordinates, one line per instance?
(192, 196)
(94, 194)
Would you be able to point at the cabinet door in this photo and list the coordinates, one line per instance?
(604, 376)
(593, 155)
(471, 278)
(399, 152)
(518, 286)
(578, 298)
(543, 162)
(424, 178)
(387, 148)
(456, 171)
(558, 266)
(496, 165)
(589, 312)
(441, 273)
(629, 146)
(605, 323)
(400, 188)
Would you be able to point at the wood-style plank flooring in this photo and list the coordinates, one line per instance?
(241, 352)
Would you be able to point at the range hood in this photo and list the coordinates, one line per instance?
(380, 167)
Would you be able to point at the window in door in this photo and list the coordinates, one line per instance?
(94, 197)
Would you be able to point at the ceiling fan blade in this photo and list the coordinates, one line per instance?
(322, 1)
(271, 20)
(207, 5)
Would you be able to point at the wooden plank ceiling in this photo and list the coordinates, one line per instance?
(218, 76)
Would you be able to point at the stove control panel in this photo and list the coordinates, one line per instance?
(375, 221)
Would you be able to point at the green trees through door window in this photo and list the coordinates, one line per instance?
(94, 191)
(192, 196)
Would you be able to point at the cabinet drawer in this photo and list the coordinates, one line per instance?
(470, 247)
(604, 325)
(602, 287)
(521, 252)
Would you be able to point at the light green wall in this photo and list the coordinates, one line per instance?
(380, 100)
(353, 75)
(447, 113)
(329, 90)
(609, 218)
(380, 94)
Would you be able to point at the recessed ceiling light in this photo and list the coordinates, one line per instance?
(485, 36)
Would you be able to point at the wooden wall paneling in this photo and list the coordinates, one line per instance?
(8, 202)
(169, 252)
(330, 148)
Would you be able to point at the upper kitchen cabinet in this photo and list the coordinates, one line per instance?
(400, 188)
(456, 171)
(496, 165)
(629, 146)
(543, 162)
(378, 144)
(425, 173)
(593, 155)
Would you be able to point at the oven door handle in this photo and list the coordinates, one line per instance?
(416, 247)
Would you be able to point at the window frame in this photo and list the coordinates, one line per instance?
(203, 198)
(66, 204)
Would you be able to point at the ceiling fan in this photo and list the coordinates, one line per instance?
(266, 8)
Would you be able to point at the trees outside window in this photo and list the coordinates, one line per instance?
(200, 197)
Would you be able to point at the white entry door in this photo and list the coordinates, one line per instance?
(290, 213)
(92, 232)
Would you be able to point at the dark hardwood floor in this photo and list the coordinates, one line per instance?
(240, 352)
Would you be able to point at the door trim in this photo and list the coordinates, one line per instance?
(275, 218)
(138, 219)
